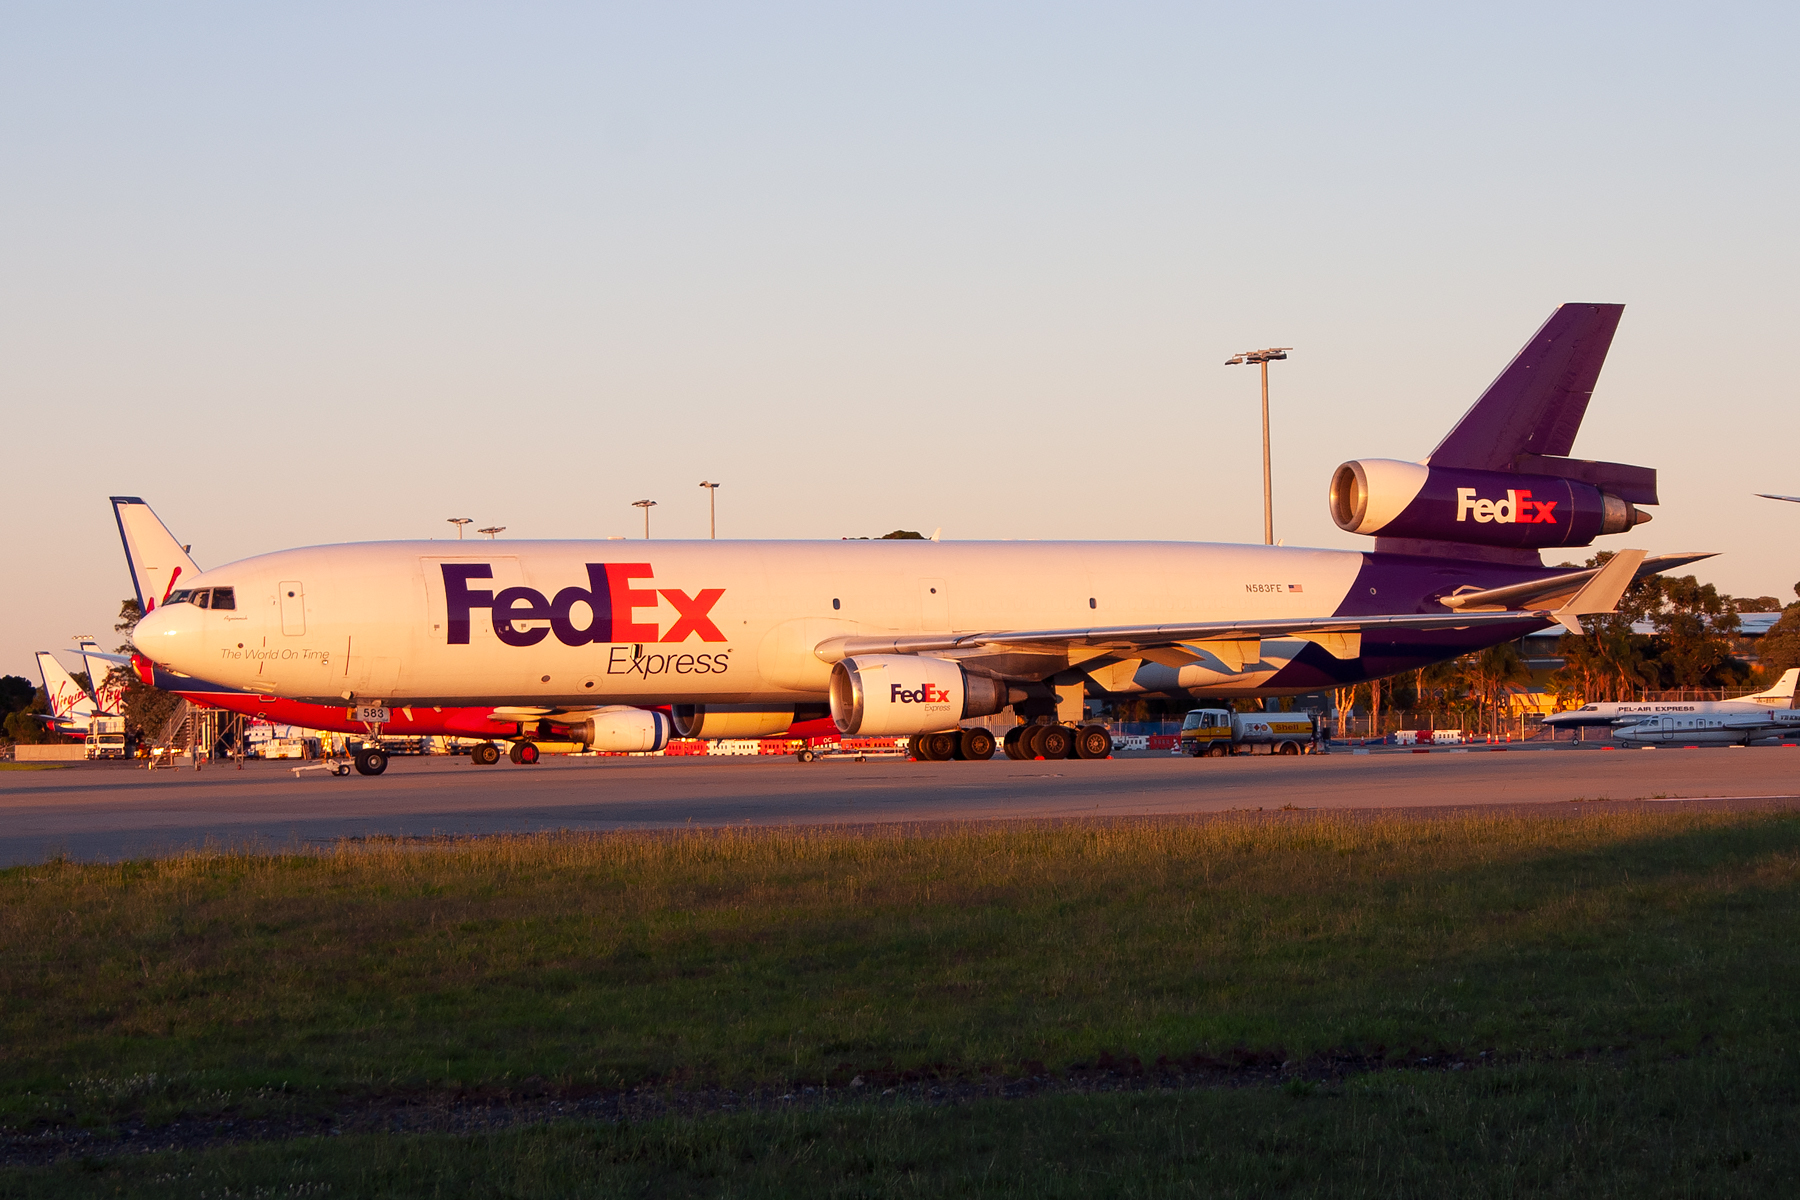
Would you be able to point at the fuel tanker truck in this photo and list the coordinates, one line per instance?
(1216, 732)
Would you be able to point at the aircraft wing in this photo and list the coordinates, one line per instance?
(1151, 637)
(1772, 496)
(1340, 636)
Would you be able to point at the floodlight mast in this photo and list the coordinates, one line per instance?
(459, 522)
(646, 505)
(1264, 357)
(712, 508)
(491, 530)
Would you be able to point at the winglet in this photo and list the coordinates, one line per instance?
(1601, 593)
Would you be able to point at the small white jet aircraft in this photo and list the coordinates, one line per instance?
(1767, 728)
(1620, 713)
(912, 638)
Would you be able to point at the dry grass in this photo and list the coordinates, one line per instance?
(228, 982)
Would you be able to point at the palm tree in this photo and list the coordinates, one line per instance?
(1491, 674)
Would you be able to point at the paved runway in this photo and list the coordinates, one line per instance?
(111, 811)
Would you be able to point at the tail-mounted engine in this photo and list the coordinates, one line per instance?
(900, 694)
(1380, 496)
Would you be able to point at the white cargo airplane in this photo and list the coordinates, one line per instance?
(1620, 713)
(914, 637)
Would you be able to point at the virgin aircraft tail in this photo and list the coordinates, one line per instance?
(107, 694)
(157, 560)
(66, 699)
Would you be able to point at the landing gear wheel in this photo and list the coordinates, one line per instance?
(1056, 741)
(485, 755)
(1028, 742)
(1012, 743)
(934, 747)
(1217, 751)
(977, 745)
(371, 762)
(1093, 741)
(523, 753)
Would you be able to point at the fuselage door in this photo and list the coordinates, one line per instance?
(293, 607)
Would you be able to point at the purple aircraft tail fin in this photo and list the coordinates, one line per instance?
(1536, 405)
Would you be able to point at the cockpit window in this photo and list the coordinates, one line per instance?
(179, 596)
(224, 598)
(202, 597)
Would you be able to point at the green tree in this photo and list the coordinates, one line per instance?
(1780, 647)
(1696, 630)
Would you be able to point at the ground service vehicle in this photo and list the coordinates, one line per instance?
(106, 737)
(1216, 732)
(904, 638)
(304, 748)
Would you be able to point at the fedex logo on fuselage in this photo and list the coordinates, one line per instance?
(1517, 509)
(610, 599)
(931, 693)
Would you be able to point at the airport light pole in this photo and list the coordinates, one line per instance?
(459, 522)
(712, 508)
(491, 530)
(646, 505)
(1264, 357)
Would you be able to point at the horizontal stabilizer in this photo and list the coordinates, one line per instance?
(1600, 594)
(1553, 589)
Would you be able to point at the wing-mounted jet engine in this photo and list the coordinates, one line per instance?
(1502, 478)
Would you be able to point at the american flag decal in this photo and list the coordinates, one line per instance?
(1294, 587)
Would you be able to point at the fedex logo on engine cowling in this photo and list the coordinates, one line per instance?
(1517, 509)
(931, 693)
(610, 599)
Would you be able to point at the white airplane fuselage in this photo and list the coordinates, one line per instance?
(617, 622)
(1712, 729)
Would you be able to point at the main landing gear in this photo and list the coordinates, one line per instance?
(1024, 742)
(487, 754)
(1058, 741)
(371, 760)
(972, 745)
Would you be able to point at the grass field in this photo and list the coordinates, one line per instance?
(1606, 1003)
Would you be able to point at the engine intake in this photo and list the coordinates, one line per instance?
(1489, 508)
(903, 694)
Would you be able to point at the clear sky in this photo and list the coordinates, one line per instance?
(313, 273)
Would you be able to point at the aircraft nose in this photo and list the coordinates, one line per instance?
(170, 636)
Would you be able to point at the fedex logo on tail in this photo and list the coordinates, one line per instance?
(611, 600)
(931, 693)
(1517, 509)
